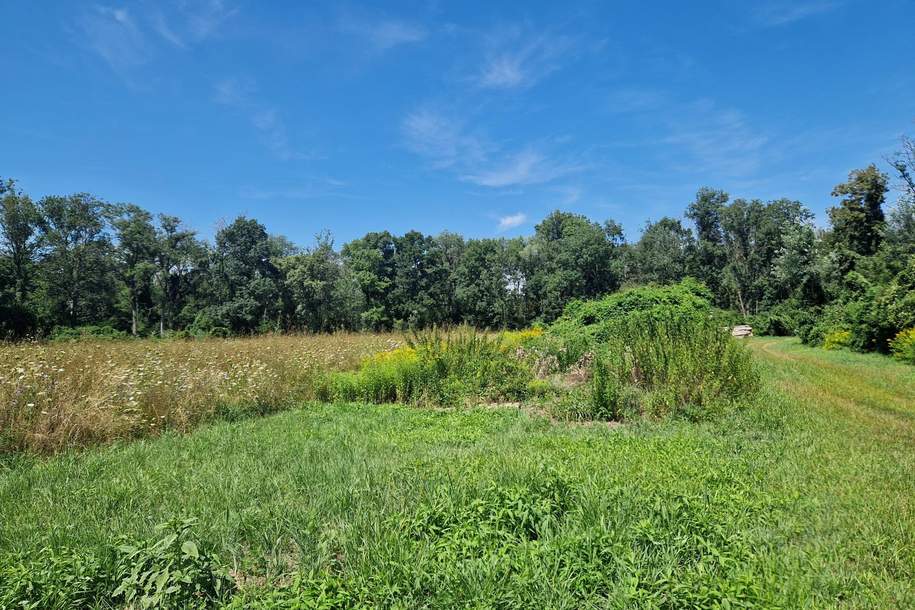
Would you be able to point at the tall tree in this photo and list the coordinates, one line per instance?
(77, 280)
(570, 256)
(179, 255)
(484, 284)
(136, 251)
(753, 233)
(247, 280)
(901, 224)
(324, 293)
(452, 247)
(664, 254)
(420, 281)
(858, 222)
(371, 260)
(18, 237)
(705, 212)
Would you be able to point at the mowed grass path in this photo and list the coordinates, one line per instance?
(804, 500)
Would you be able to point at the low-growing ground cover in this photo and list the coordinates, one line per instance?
(802, 498)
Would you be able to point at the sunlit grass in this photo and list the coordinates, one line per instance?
(59, 395)
(803, 498)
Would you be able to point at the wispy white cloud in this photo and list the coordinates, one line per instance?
(443, 140)
(314, 188)
(127, 38)
(633, 99)
(517, 59)
(523, 168)
(783, 13)
(383, 34)
(713, 139)
(511, 221)
(162, 27)
(241, 94)
(568, 194)
(205, 17)
(474, 158)
(113, 35)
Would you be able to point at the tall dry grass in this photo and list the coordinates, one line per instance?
(59, 395)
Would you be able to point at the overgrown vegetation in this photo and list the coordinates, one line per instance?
(795, 500)
(435, 368)
(903, 345)
(653, 351)
(75, 266)
(60, 395)
(170, 570)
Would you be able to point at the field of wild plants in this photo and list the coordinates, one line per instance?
(66, 394)
(630, 455)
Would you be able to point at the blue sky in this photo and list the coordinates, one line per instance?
(475, 117)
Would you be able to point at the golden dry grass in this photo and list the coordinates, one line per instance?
(59, 395)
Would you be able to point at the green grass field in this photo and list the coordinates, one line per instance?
(805, 498)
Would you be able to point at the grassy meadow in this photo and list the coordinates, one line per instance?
(800, 497)
(66, 394)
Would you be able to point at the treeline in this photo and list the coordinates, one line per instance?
(71, 262)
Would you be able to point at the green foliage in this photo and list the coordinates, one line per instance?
(323, 293)
(64, 333)
(347, 505)
(674, 366)
(488, 283)
(903, 345)
(55, 579)
(858, 221)
(652, 351)
(435, 367)
(664, 254)
(873, 314)
(75, 261)
(172, 570)
(585, 323)
(837, 339)
(571, 257)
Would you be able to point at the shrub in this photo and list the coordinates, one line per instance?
(171, 570)
(511, 340)
(672, 366)
(434, 367)
(903, 345)
(67, 333)
(837, 339)
(584, 323)
(54, 579)
(654, 351)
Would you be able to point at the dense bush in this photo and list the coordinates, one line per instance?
(171, 570)
(903, 345)
(871, 314)
(436, 367)
(651, 351)
(837, 339)
(659, 367)
(782, 320)
(65, 333)
(585, 323)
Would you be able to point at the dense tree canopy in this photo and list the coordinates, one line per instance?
(71, 261)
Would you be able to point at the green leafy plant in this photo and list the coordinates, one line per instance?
(436, 367)
(903, 345)
(170, 571)
(837, 339)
